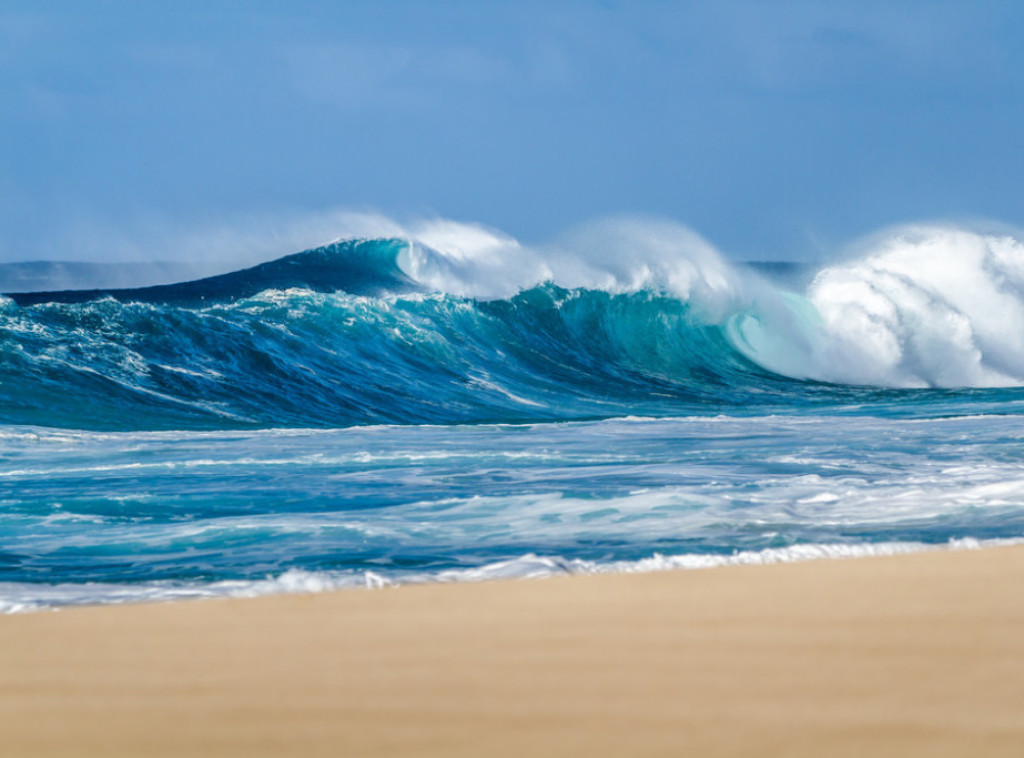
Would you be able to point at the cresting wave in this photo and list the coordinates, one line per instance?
(921, 306)
(451, 323)
(927, 307)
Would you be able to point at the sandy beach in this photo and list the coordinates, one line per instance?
(911, 655)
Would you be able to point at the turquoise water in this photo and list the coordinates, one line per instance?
(373, 411)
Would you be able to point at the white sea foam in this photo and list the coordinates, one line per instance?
(931, 307)
(923, 306)
(24, 597)
(625, 254)
(919, 306)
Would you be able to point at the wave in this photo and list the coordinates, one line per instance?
(925, 307)
(368, 267)
(301, 358)
(457, 324)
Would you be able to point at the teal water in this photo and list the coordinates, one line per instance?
(345, 416)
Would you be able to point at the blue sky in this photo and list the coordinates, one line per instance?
(775, 129)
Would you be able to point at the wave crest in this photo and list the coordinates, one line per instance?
(927, 307)
(933, 307)
(459, 324)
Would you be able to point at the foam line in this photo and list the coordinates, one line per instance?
(17, 597)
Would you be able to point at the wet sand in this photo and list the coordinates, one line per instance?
(901, 656)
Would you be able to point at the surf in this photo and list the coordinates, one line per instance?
(447, 403)
(456, 324)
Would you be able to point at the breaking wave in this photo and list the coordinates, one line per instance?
(458, 324)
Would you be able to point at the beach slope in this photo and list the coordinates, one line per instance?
(911, 655)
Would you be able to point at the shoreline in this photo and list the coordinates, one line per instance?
(915, 654)
(529, 566)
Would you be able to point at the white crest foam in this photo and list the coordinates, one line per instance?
(615, 255)
(928, 306)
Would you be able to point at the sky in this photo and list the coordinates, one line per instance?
(777, 130)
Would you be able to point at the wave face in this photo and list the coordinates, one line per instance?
(401, 332)
(300, 358)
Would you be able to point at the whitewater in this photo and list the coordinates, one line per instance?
(441, 402)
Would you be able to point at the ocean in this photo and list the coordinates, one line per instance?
(455, 406)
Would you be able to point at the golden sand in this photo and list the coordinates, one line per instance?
(919, 655)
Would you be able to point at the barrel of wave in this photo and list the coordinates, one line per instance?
(923, 306)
